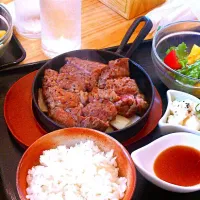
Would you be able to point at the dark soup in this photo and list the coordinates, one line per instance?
(179, 165)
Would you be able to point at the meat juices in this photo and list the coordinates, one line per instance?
(90, 94)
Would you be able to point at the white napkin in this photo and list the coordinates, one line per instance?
(173, 11)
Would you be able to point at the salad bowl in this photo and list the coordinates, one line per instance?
(180, 96)
(172, 48)
(144, 159)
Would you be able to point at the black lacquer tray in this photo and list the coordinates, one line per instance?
(10, 151)
(13, 55)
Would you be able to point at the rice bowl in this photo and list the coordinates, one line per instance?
(80, 172)
(109, 168)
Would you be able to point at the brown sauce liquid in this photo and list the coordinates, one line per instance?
(179, 165)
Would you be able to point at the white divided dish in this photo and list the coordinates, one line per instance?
(169, 128)
(145, 157)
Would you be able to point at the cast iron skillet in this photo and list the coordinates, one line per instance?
(136, 72)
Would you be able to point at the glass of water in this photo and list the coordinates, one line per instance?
(28, 18)
(61, 26)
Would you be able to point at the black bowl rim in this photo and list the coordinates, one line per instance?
(115, 54)
(160, 60)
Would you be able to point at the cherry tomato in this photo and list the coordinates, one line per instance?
(172, 61)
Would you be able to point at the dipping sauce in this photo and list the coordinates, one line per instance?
(179, 165)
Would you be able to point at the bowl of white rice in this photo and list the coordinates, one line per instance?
(76, 164)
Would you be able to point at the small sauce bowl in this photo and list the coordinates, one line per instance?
(144, 159)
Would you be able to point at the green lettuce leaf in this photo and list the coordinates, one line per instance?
(192, 71)
(181, 51)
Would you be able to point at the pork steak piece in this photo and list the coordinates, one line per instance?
(50, 78)
(130, 105)
(105, 110)
(102, 94)
(58, 97)
(62, 117)
(122, 86)
(93, 122)
(116, 69)
(74, 79)
(89, 67)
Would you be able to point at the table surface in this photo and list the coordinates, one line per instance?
(101, 28)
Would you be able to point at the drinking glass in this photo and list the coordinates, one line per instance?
(61, 26)
(28, 18)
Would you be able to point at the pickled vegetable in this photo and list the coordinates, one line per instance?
(2, 33)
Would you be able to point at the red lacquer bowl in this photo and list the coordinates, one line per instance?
(69, 137)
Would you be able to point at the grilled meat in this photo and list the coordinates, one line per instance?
(116, 69)
(122, 86)
(105, 110)
(102, 94)
(90, 94)
(50, 78)
(89, 67)
(93, 122)
(58, 97)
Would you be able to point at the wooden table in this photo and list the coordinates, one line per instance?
(101, 28)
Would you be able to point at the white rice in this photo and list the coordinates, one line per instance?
(82, 172)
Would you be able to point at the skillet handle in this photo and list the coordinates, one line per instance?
(140, 37)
